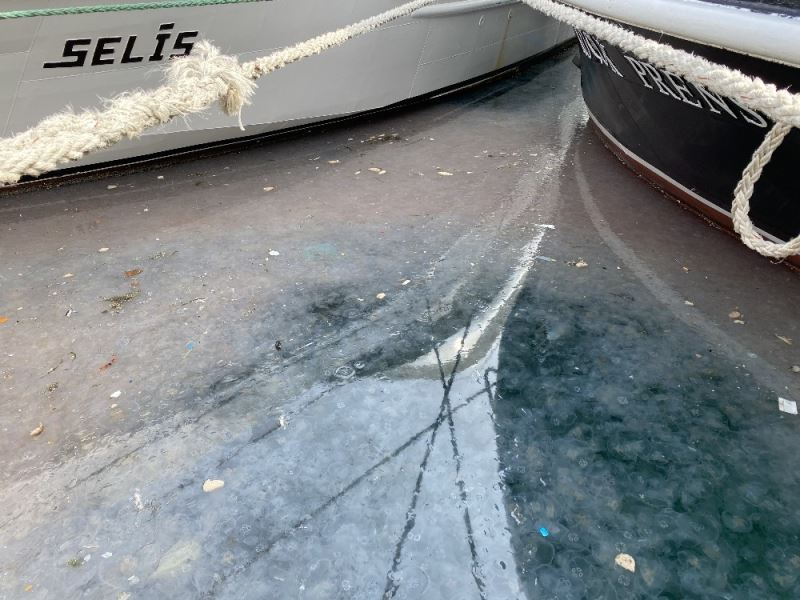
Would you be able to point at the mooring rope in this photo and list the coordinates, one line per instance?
(195, 82)
(740, 210)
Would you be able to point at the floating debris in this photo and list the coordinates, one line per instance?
(283, 422)
(107, 554)
(626, 561)
(382, 139)
(110, 363)
(380, 296)
(37, 431)
(787, 406)
(134, 272)
(688, 303)
(117, 302)
(269, 188)
(104, 249)
(515, 514)
(212, 485)
(581, 264)
(544, 531)
(784, 339)
(795, 368)
(278, 345)
(3, 320)
(334, 162)
(116, 395)
(406, 282)
(67, 275)
(112, 187)
(178, 558)
(735, 314)
(445, 173)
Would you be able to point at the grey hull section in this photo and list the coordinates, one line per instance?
(437, 47)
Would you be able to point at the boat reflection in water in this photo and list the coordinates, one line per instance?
(619, 432)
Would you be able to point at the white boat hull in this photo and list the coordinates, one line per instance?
(435, 48)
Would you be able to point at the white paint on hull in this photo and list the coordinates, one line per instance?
(761, 34)
(408, 58)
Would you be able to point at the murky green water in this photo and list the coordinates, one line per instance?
(621, 432)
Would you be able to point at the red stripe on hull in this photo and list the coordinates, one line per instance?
(704, 209)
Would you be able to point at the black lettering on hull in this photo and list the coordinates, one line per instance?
(122, 49)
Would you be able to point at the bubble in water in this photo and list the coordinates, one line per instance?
(736, 523)
(344, 372)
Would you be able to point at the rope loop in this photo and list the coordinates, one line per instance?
(740, 208)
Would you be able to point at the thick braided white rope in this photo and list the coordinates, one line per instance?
(192, 84)
(781, 106)
(753, 92)
(740, 209)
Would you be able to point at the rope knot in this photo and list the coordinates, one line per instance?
(221, 76)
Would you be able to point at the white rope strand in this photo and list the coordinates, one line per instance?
(753, 92)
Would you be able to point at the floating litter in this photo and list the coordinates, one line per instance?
(212, 485)
(626, 561)
(787, 406)
(544, 531)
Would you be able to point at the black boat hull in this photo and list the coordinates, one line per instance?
(689, 141)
